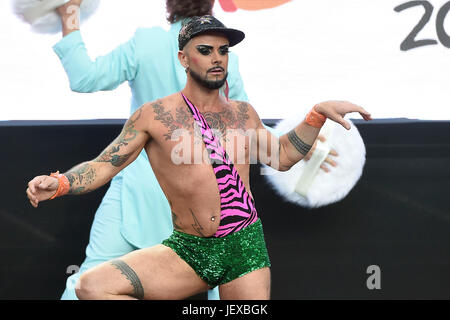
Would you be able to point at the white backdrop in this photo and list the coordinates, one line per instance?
(294, 56)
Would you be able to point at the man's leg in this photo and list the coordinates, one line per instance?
(252, 286)
(105, 241)
(152, 273)
(248, 265)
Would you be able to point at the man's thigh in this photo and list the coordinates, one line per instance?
(252, 286)
(158, 269)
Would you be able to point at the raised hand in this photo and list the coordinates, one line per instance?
(67, 8)
(69, 14)
(41, 188)
(336, 110)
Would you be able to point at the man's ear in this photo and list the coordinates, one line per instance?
(183, 59)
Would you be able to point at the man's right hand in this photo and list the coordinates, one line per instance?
(65, 10)
(41, 188)
(70, 16)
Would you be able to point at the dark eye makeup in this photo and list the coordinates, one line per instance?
(206, 50)
(224, 50)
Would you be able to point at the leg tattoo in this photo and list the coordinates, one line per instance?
(132, 276)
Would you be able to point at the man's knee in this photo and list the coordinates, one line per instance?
(87, 288)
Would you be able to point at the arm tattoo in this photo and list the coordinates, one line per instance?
(129, 133)
(115, 159)
(85, 174)
(138, 290)
(80, 177)
(197, 227)
(242, 115)
(301, 147)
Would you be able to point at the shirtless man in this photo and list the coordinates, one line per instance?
(218, 237)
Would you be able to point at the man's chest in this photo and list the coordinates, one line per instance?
(188, 140)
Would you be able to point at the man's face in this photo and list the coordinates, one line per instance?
(207, 59)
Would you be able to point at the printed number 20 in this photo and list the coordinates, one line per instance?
(410, 42)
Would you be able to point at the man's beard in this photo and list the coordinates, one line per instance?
(208, 84)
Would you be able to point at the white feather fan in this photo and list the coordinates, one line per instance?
(41, 14)
(318, 188)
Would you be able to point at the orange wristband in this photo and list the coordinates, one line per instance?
(315, 119)
(63, 184)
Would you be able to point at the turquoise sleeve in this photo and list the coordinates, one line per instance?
(105, 73)
(237, 91)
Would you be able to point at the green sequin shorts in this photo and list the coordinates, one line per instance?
(221, 260)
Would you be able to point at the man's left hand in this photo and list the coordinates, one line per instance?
(327, 160)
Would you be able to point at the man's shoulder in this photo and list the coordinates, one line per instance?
(240, 105)
(150, 30)
(166, 103)
(246, 110)
(152, 43)
(152, 34)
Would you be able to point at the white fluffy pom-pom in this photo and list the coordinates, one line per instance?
(41, 14)
(323, 188)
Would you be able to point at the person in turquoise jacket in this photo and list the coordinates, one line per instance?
(131, 218)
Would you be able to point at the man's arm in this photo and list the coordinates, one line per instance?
(283, 152)
(93, 174)
(106, 72)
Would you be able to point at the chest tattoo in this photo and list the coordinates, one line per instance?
(220, 121)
